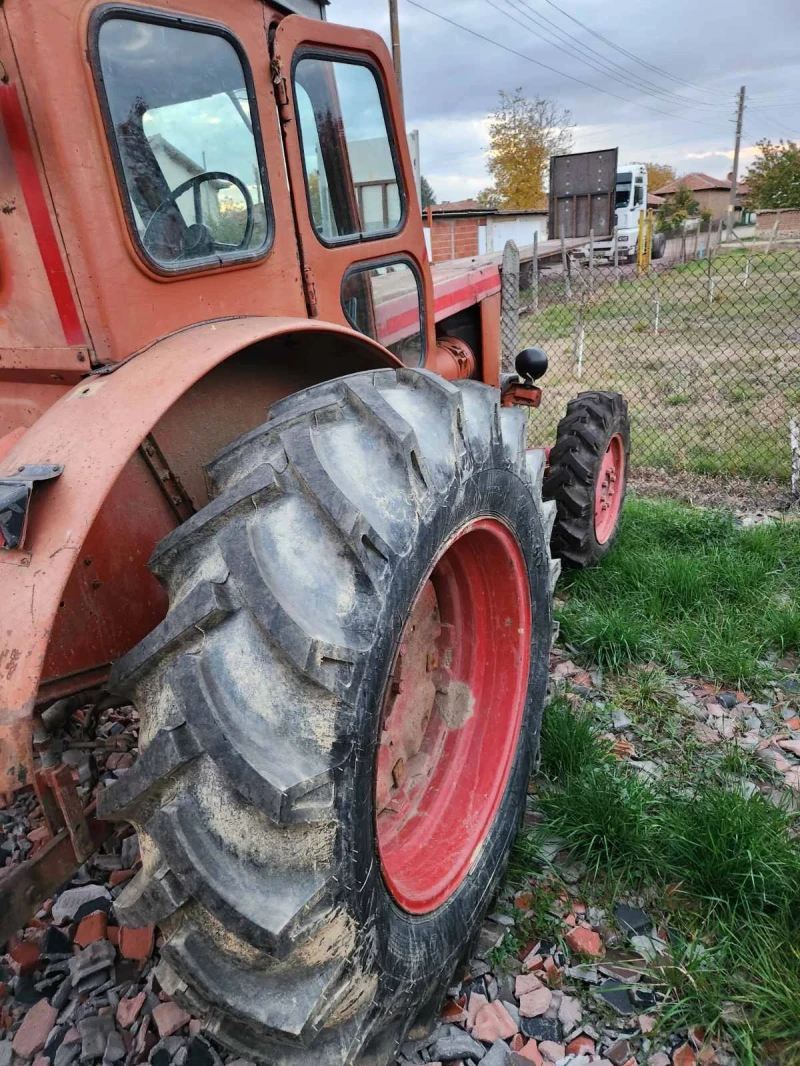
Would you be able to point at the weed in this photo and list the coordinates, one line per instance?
(569, 744)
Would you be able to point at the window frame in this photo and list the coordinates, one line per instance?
(99, 17)
(360, 60)
(384, 261)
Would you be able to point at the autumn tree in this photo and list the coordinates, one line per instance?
(658, 174)
(523, 134)
(428, 195)
(774, 178)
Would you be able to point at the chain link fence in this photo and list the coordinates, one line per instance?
(704, 345)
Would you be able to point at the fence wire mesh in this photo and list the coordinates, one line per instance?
(704, 346)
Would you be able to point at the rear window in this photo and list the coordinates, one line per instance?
(183, 126)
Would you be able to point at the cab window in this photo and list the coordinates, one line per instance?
(384, 300)
(352, 177)
(183, 125)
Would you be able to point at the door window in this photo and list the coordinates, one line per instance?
(385, 302)
(182, 121)
(352, 176)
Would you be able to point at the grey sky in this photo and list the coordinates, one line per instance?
(451, 78)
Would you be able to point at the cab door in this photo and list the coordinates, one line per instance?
(358, 221)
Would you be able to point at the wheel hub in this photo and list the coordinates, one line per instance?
(452, 713)
(608, 494)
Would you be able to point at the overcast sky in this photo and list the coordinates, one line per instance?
(451, 78)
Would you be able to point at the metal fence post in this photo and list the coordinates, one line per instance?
(617, 277)
(794, 445)
(591, 261)
(564, 262)
(509, 306)
(535, 272)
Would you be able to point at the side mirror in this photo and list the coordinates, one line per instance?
(531, 364)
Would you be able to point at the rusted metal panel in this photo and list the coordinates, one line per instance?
(23, 887)
(582, 194)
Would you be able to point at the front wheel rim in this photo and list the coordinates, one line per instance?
(452, 715)
(609, 489)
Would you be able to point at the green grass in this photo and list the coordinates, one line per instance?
(687, 587)
(722, 871)
(712, 391)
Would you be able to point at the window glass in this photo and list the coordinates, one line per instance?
(180, 114)
(623, 190)
(353, 184)
(638, 192)
(385, 302)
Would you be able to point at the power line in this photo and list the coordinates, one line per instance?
(624, 51)
(553, 70)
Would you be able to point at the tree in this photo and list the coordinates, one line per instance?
(774, 179)
(428, 195)
(673, 212)
(523, 134)
(658, 174)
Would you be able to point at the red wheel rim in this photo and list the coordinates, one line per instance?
(452, 715)
(608, 493)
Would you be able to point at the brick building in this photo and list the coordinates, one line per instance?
(712, 194)
(464, 228)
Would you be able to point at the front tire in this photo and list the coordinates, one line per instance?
(292, 922)
(587, 477)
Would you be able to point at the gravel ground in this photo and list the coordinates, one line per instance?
(74, 987)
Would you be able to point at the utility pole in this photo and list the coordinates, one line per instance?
(735, 176)
(394, 25)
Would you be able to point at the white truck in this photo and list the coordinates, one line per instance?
(592, 192)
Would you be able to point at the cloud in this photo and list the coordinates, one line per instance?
(451, 78)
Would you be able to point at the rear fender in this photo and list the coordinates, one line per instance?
(91, 530)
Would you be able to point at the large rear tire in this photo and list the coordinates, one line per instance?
(301, 918)
(587, 477)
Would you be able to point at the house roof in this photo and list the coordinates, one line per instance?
(695, 182)
(653, 200)
(453, 207)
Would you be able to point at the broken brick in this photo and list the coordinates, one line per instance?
(585, 941)
(581, 1045)
(136, 943)
(527, 982)
(128, 1010)
(684, 1056)
(493, 1022)
(36, 1025)
(169, 1018)
(24, 957)
(532, 1004)
(92, 927)
(531, 1051)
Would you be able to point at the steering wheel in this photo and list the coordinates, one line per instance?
(197, 239)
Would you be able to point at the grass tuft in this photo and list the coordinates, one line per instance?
(689, 585)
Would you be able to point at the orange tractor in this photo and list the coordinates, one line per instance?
(260, 477)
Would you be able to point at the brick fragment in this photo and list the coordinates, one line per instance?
(31, 1036)
(136, 943)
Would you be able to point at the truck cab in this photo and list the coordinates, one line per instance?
(630, 202)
